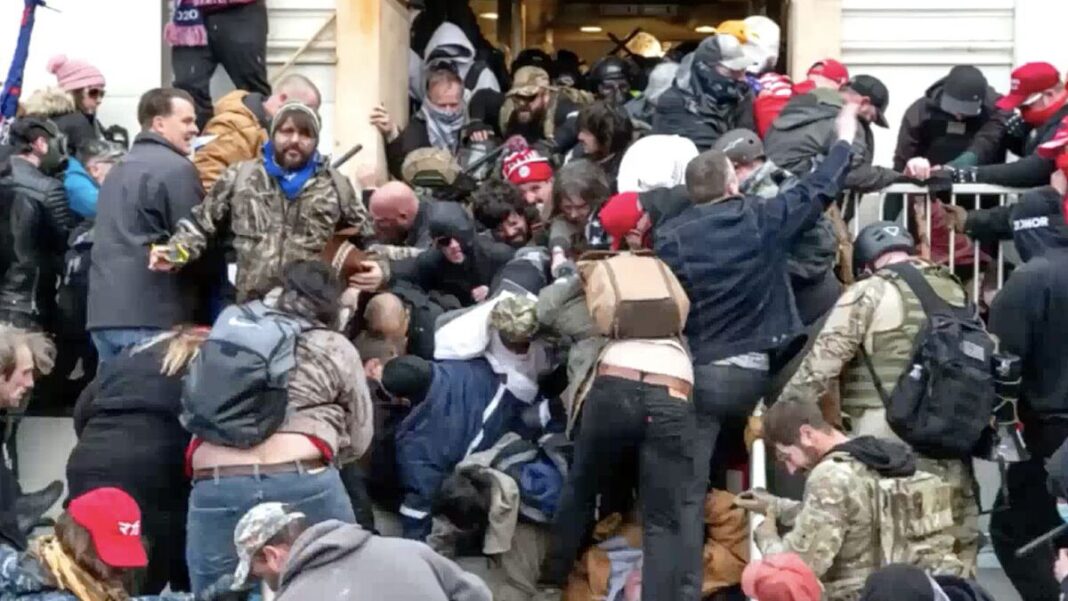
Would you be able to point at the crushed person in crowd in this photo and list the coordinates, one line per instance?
(835, 528)
(282, 208)
(500, 209)
(710, 95)
(605, 132)
(579, 189)
(241, 125)
(40, 222)
(137, 399)
(326, 417)
(95, 549)
(301, 560)
(141, 201)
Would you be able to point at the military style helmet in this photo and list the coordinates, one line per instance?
(878, 239)
(430, 168)
(609, 68)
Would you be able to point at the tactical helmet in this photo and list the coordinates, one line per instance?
(609, 68)
(878, 239)
(430, 168)
(515, 319)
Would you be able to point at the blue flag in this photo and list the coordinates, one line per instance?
(9, 99)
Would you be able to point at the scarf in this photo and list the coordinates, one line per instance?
(1038, 117)
(443, 127)
(186, 28)
(291, 182)
(69, 576)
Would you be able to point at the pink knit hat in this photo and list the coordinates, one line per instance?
(74, 74)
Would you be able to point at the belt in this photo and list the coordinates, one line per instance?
(258, 469)
(676, 387)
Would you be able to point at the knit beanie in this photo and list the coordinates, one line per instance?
(782, 577)
(295, 107)
(619, 215)
(527, 166)
(408, 377)
(74, 74)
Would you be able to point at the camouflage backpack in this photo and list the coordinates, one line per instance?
(911, 519)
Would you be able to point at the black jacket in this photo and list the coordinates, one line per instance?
(79, 129)
(928, 131)
(128, 432)
(674, 117)
(484, 257)
(731, 258)
(1035, 224)
(1030, 316)
(1032, 170)
(141, 202)
(40, 223)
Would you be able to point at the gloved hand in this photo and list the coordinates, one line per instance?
(940, 181)
(757, 500)
(223, 590)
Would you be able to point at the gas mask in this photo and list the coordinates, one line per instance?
(614, 91)
(54, 161)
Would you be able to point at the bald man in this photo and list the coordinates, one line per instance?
(400, 218)
(238, 130)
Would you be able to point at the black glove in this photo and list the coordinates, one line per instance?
(965, 175)
(223, 590)
(940, 181)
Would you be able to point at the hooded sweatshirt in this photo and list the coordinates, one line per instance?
(804, 131)
(450, 43)
(338, 561)
(1035, 224)
(928, 131)
(888, 459)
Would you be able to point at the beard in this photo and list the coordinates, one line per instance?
(291, 157)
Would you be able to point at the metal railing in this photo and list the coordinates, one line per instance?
(917, 199)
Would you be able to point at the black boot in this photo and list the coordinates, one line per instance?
(30, 507)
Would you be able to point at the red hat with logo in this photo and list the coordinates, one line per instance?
(113, 520)
(831, 69)
(527, 166)
(1028, 81)
(1055, 146)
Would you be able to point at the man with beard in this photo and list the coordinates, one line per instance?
(710, 96)
(499, 207)
(543, 114)
(835, 528)
(282, 208)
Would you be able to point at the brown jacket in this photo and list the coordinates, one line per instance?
(239, 136)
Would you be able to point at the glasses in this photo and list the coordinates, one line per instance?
(442, 242)
(95, 93)
(525, 99)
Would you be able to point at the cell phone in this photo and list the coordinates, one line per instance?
(176, 255)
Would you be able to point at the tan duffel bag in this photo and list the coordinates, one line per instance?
(633, 295)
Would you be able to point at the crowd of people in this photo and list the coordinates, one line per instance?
(544, 340)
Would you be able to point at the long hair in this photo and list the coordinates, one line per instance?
(77, 543)
(183, 344)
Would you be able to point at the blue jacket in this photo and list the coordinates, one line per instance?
(82, 189)
(731, 257)
(467, 409)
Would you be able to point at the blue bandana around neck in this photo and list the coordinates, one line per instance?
(291, 182)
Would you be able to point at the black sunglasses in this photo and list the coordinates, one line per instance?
(95, 93)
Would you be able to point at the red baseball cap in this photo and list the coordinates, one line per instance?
(619, 215)
(1027, 82)
(1055, 146)
(831, 69)
(113, 520)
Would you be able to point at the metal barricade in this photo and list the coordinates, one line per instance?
(758, 478)
(861, 205)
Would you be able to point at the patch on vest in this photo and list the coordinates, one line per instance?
(1033, 223)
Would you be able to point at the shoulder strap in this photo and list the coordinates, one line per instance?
(474, 73)
(885, 396)
(929, 299)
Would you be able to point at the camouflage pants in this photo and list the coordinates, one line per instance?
(958, 474)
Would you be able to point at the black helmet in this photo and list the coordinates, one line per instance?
(533, 57)
(878, 239)
(609, 68)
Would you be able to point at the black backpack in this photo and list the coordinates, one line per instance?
(236, 392)
(942, 406)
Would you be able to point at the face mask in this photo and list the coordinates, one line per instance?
(1037, 117)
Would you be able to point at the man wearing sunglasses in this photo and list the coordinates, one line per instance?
(33, 246)
(543, 114)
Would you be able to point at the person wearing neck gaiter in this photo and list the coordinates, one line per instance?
(281, 208)
(440, 123)
(1039, 95)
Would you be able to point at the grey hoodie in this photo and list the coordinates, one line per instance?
(338, 561)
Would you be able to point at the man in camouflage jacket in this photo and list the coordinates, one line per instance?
(281, 208)
(881, 315)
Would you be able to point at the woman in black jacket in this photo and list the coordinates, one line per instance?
(129, 437)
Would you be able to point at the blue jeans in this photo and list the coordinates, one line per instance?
(110, 342)
(216, 505)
